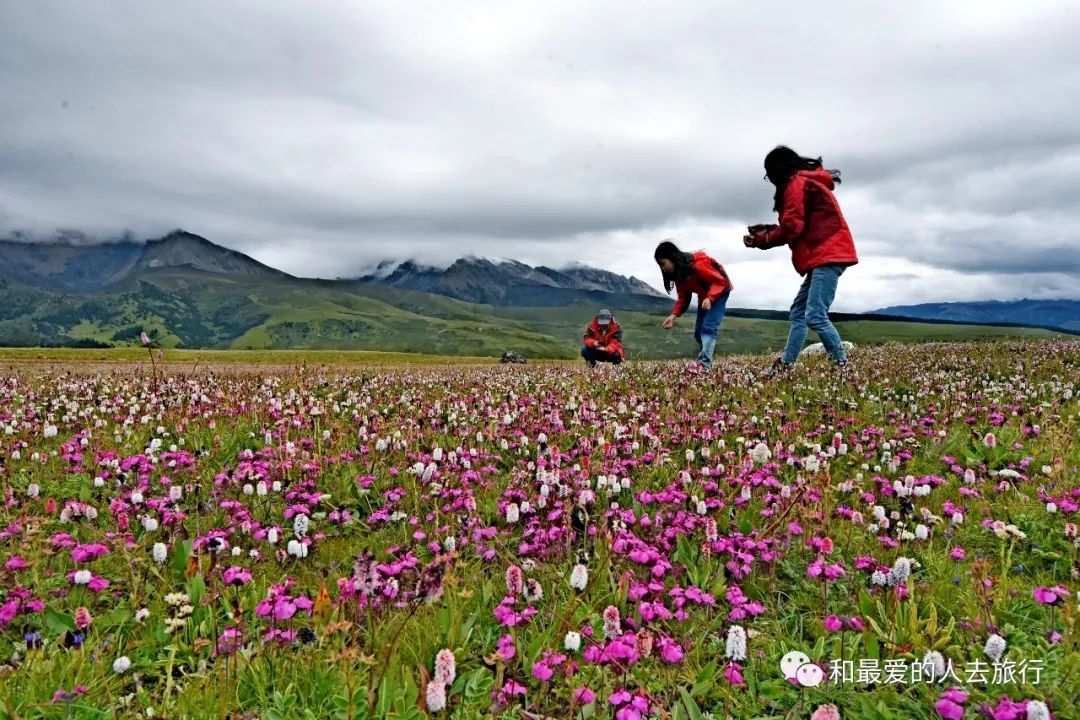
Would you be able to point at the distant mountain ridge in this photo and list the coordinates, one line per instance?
(71, 263)
(1064, 314)
(510, 283)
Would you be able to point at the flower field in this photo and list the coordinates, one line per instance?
(896, 542)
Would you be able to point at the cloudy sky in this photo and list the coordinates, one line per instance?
(320, 137)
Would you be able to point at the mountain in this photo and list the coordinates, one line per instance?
(73, 263)
(510, 283)
(1064, 314)
(185, 291)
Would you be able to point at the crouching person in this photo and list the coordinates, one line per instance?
(603, 340)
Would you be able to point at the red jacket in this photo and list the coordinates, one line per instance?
(811, 223)
(707, 278)
(610, 337)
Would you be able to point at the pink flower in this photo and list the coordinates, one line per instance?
(506, 649)
(236, 575)
(584, 696)
(733, 674)
(83, 618)
(619, 697)
(833, 624)
(15, 563)
(826, 712)
(86, 553)
(957, 553)
(1049, 596)
(144, 339)
(670, 651)
(514, 581)
(949, 710)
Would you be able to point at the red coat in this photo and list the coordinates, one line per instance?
(811, 223)
(610, 337)
(707, 278)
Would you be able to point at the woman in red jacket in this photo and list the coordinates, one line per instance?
(695, 273)
(812, 225)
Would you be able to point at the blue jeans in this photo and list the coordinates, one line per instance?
(707, 326)
(594, 356)
(811, 310)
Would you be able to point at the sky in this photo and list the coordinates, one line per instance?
(322, 137)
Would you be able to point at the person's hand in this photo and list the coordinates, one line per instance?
(601, 347)
(669, 322)
(706, 304)
(748, 241)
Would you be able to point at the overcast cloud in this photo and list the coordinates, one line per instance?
(321, 137)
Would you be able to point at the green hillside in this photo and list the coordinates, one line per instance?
(199, 310)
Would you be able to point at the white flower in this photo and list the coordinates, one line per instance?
(32, 490)
(572, 641)
(957, 519)
(879, 513)
(249, 489)
(271, 535)
(300, 525)
(761, 453)
(236, 551)
(142, 614)
(1037, 710)
(935, 661)
(136, 498)
(1051, 508)
(276, 487)
(121, 664)
(297, 549)
(50, 431)
(812, 464)
(579, 577)
(149, 524)
(82, 577)
(512, 513)
(99, 482)
(900, 572)
(160, 552)
(436, 696)
(922, 532)
(450, 544)
(736, 643)
(702, 508)
(995, 647)
(175, 493)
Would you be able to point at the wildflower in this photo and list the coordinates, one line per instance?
(32, 490)
(579, 577)
(1051, 508)
(83, 618)
(512, 513)
(922, 532)
(761, 453)
(445, 667)
(736, 643)
(237, 576)
(272, 536)
(989, 440)
(514, 581)
(612, 622)
(121, 665)
(83, 577)
(1050, 596)
(297, 549)
(141, 614)
(160, 553)
(436, 696)
(826, 712)
(995, 647)
(149, 524)
(833, 624)
(300, 525)
(506, 649)
(935, 662)
(534, 592)
(572, 641)
(1037, 710)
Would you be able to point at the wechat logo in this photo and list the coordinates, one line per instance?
(796, 666)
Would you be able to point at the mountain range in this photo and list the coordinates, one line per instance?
(1063, 314)
(187, 291)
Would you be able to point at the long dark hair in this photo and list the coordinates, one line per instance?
(781, 163)
(682, 261)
